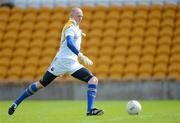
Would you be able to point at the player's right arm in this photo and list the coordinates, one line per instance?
(69, 34)
(71, 45)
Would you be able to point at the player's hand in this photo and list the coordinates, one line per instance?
(85, 59)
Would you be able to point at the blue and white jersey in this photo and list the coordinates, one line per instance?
(70, 29)
(66, 61)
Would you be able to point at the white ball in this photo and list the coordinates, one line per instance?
(133, 107)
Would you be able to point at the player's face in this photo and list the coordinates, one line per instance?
(78, 17)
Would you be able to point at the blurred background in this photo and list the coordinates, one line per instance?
(135, 46)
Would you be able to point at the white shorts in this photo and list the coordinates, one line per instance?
(59, 67)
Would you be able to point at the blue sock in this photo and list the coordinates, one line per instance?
(91, 94)
(28, 92)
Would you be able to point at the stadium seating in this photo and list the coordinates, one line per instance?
(127, 42)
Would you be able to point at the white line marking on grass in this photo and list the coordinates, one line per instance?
(119, 118)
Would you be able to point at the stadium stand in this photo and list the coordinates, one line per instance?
(140, 41)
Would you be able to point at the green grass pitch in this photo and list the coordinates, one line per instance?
(74, 112)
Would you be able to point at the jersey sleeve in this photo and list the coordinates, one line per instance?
(69, 35)
(69, 32)
(71, 45)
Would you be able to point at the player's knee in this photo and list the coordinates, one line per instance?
(93, 80)
(39, 85)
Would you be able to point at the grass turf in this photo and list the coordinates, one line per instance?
(74, 112)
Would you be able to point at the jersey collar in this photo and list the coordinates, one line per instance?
(73, 21)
